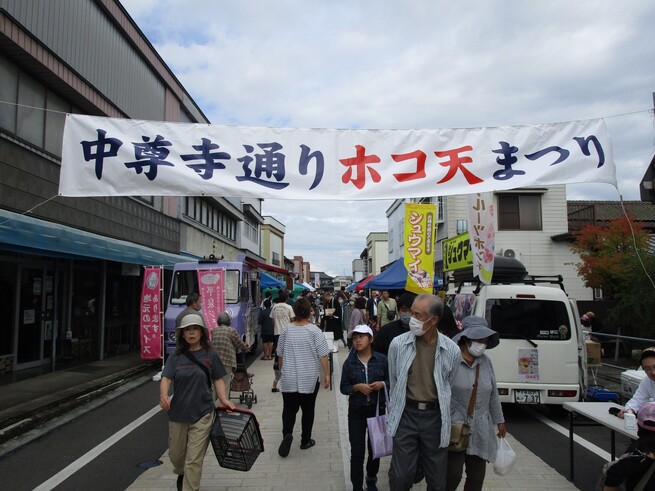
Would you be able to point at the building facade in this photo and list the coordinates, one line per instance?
(71, 268)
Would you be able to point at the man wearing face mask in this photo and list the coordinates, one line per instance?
(395, 328)
(486, 420)
(421, 369)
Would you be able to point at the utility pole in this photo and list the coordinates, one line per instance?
(647, 188)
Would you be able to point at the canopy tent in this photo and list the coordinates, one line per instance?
(351, 287)
(268, 281)
(362, 284)
(297, 288)
(308, 286)
(392, 278)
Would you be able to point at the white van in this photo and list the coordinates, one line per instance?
(541, 358)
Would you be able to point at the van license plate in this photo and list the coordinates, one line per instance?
(526, 396)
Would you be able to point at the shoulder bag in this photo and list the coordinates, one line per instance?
(204, 368)
(459, 432)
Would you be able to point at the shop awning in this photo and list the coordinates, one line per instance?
(30, 235)
(362, 284)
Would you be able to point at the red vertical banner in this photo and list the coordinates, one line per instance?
(150, 314)
(211, 287)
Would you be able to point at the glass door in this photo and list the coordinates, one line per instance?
(35, 316)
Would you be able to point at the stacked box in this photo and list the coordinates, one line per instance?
(593, 353)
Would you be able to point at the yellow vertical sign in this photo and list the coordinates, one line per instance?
(420, 222)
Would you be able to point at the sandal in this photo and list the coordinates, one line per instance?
(309, 444)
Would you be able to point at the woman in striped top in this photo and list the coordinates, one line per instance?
(302, 350)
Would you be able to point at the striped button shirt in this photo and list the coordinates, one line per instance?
(401, 354)
(301, 348)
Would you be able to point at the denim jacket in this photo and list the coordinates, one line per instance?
(354, 373)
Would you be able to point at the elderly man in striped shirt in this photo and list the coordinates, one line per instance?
(421, 367)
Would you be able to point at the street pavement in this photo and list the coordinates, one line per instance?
(326, 465)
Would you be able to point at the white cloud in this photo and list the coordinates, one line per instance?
(420, 64)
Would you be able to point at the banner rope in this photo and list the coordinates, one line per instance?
(618, 115)
(31, 209)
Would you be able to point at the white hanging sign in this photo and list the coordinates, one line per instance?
(127, 157)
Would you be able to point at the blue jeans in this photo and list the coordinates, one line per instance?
(357, 430)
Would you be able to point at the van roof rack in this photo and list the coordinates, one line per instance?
(506, 271)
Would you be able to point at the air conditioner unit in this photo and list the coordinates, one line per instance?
(512, 253)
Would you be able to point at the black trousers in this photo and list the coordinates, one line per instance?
(357, 430)
(293, 401)
(476, 467)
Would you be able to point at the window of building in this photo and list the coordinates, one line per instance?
(276, 258)
(250, 229)
(519, 212)
(203, 212)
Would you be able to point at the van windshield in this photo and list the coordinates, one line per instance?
(185, 282)
(529, 318)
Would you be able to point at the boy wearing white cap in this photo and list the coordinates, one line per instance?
(364, 374)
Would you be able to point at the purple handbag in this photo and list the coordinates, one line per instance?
(381, 443)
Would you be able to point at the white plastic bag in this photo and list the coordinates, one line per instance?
(505, 457)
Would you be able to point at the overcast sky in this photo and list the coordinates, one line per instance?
(415, 64)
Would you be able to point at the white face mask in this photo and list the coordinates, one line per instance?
(476, 349)
(416, 326)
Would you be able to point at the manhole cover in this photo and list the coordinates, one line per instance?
(150, 463)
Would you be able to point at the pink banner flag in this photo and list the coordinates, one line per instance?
(151, 321)
(211, 289)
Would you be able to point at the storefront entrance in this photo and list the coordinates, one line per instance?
(37, 315)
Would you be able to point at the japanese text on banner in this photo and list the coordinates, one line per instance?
(420, 222)
(124, 157)
(211, 287)
(150, 328)
(482, 233)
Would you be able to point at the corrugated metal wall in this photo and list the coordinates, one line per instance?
(81, 35)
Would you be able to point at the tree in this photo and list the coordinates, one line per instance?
(616, 258)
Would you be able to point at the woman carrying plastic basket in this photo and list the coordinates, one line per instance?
(194, 367)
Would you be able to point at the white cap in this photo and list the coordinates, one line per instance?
(363, 329)
(191, 320)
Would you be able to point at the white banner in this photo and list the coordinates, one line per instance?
(127, 157)
(482, 234)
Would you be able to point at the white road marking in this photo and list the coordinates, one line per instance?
(576, 438)
(71, 469)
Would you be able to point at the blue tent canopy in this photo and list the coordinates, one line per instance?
(268, 281)
(351, 287)
(392, 278)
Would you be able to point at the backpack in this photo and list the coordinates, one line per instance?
(640, 486)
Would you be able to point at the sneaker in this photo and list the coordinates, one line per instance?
(285, 446)
(371, 483)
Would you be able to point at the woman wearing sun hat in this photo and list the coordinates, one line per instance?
(487, 420)
(191, 411)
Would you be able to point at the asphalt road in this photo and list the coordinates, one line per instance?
(53, 461)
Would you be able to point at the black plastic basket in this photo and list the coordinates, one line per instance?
(236, 439)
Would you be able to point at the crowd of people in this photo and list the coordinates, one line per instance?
(436, 374)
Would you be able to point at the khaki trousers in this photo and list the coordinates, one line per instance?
(187, 445)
